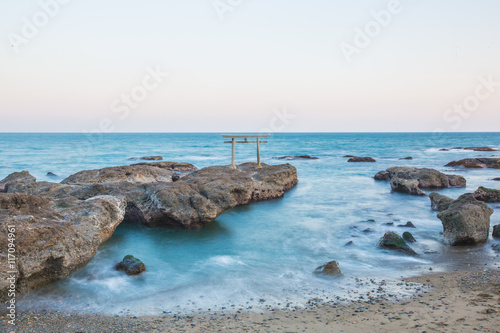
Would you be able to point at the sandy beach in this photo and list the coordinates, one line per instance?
(465, 300)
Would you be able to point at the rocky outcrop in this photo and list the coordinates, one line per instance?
(361, 159)
(331, 268)
(301, 157)
(466, 221)
(54, 237)
(60, 225)
(393, 241)
(487, 194)
(131, 265)
(410, 180)
(440, 202)
(477, 163)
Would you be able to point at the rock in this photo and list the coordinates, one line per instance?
(487, 194)
(175, 177)
(131, 265)
(444, 149)
(348, 156)
(409, 186)
(54, 237)
(349, 243)
(496, 231)
(408, 224)
(410, 179)
(466, 221)
(172, 166)
(492, 163)
(496, 247)
(389, 223)
(480, 148)
(152, 158)
(16, 180)
(406, 158)
(393, 241)
(497, 179)
(51, 174)
(440, 202)
(361, 159)
(331, 268)
(367, 230)
(301, 157)
(407, 236)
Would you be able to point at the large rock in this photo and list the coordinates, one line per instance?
(331, 268)
(393, 241)
(466, 221)
(492, 163)
(487, 194)
(131, 265)
(54, 237)
(440, 202)
(496, 231)
(410, 180)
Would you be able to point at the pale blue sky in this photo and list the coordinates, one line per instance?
(233, 74)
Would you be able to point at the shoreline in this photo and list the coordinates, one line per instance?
(463, 300)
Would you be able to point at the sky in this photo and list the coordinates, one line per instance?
(249, 65)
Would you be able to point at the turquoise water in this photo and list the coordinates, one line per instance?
(266, 250)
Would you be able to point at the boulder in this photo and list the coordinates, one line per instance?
(487, 194)
(393, 241)
(409, 186)
(361, 159)
(440, 202)
(496, 231)
(492, 163)
(301, 157)
(466, 221)
(407, 236)
(411, 180)
(331, 268)
(54, 237)
(131, 265)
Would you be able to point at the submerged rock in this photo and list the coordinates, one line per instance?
(487, 194)
(440, 202)
(410, 180)
(349, 243)
(496, 231)
(466, 221)
(406, 158)
(348, 156)
(492, 163)
(393, 241)
(361, 159)
(408, 224)
(407, 236)
(331, 268)
(301, 157)
(51, 174)
(131, 265)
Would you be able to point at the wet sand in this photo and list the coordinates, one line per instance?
(466, 300)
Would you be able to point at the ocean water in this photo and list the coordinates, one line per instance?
(263, 251)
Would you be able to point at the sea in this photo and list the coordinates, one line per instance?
(262, 255)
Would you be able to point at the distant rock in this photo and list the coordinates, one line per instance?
(51, 174)
(487, 194)
(349, 243)
(301, 157)
(348, 156)
(466, 221)
(393, 241)
(496, 231)
(407, 236)
(497, 179)
(152, 158)
(440, 202)
(389, 223)
(444, 149)
(408, 224)
(406, 158)
(410, 180)
(480, 149)
(477, 163)
(367, 230)
(331, 268)
(361, 159)
(131, 265)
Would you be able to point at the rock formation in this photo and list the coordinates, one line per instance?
(477, 163)
(466, 221)
(410, 180)
(440, 202)
(131, 265)
(487, 194)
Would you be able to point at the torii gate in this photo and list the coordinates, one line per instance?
(245, 136)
